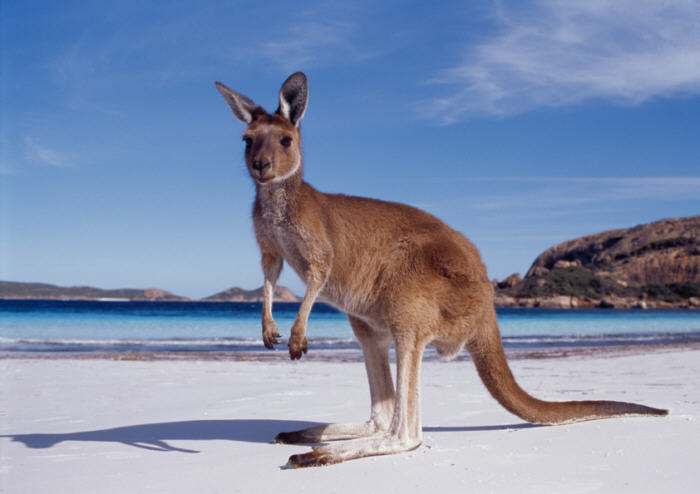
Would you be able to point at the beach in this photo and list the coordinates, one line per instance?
(118, 424)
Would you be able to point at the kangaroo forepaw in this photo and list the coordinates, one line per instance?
(270, 335)
(297, 347)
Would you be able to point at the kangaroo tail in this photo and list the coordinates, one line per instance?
(489, 357)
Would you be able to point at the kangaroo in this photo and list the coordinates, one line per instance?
(401, 275)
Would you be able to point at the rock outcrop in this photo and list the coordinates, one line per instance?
(663, 252)
(651, 265)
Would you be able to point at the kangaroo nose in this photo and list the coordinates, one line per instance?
(261, 165)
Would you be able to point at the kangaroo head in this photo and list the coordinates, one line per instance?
(272, 141)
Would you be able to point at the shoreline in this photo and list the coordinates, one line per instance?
(352, 355)
(572, 302)
(502, 301)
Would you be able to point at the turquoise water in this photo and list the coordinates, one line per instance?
(57, 326)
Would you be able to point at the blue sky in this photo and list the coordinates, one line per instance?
(521, 124)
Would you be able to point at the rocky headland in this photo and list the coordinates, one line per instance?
(655, 265)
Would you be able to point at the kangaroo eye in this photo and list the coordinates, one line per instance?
(286, 141)
(248, 141)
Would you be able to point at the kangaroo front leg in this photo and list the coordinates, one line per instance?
(272, 265)
(298, 344)
(375, 348)
(401, 435)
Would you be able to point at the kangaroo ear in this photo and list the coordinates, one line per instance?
(245, 109)
(294, 96)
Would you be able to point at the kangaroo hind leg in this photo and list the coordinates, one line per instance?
(404, 433)
(375, 348)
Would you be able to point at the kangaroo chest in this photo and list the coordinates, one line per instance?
(273, 221)
(285, 239)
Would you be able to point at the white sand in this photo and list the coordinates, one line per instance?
(73, 426)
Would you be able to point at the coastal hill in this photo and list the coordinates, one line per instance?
(651, 265)
(236, 294)
(45, 291)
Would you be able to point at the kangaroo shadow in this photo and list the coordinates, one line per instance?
(155, 436)
(484, 428)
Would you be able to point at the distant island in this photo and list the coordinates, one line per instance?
(655, 265)
(44, 291)
(235, 294)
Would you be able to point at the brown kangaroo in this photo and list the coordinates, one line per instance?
(401, 275)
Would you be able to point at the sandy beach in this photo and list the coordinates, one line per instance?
(205, 426)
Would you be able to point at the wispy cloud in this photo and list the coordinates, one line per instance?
(546, 193)
(37, 153)
(315, 43)
(534, 197)
(6, 169)
(180, 46)
(554, 54)
(134, 55)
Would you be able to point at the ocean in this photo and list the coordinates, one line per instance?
(46, 327)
